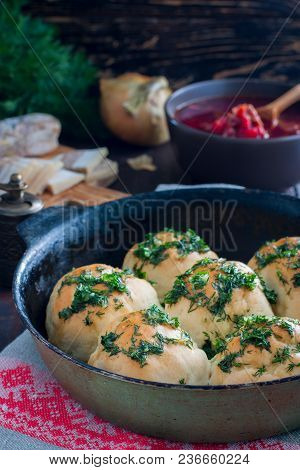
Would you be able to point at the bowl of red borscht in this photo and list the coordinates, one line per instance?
(220, 137)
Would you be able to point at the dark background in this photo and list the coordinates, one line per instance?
(185, 40)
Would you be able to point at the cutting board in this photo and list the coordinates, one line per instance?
(82, 193)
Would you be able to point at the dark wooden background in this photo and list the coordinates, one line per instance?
(185, 40)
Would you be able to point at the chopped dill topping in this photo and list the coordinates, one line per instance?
(87, 320)
(281, 277)
(254, 330)
(270, 294)
(296, 264)
(199, 280)
(296, 280)
(156, 316)
(228, 362)
(153, 250)
(86, 294)
(285, 250)
(192, 286)
(260, 371)
(108, 343)
(219, 345)
(282, 355)
(141, 352)
(118, 303)
(291, 366)
(225, 283)
(179, 290)
(139, 348)
(182, 381)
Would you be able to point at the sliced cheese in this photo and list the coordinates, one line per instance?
(104, 174)
(84, 161)
(63, 180)
(46, 169)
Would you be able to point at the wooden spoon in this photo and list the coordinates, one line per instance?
(271, 111)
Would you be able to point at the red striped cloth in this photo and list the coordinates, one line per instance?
(34, 404)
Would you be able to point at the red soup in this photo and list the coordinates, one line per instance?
(231, 117)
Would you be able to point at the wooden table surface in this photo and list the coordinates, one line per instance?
(130, 181)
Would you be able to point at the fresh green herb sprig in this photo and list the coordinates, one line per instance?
(65, 78)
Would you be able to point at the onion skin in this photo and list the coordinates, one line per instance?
(132, 107)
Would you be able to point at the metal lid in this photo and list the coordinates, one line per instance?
(15, 201)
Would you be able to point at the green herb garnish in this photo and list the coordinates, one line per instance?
(192, 286)
(86, 294)
(156, 316)
(228, 362)
(270, 294)
(260, 371)
(296, 280)
(108, 343)
(153, 250)
(281, 277)
(282, 355)
(285, 250)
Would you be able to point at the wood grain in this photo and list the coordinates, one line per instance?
(186, 40)
(82, 194)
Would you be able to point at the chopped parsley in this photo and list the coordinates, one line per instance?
(153, 250)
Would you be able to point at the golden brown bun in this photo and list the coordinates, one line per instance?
(198, 318)
(255, 364)
(177, 359)
(279, 275)
(78, 334)
(163, 274)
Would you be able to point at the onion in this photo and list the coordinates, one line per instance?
(132, 107)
